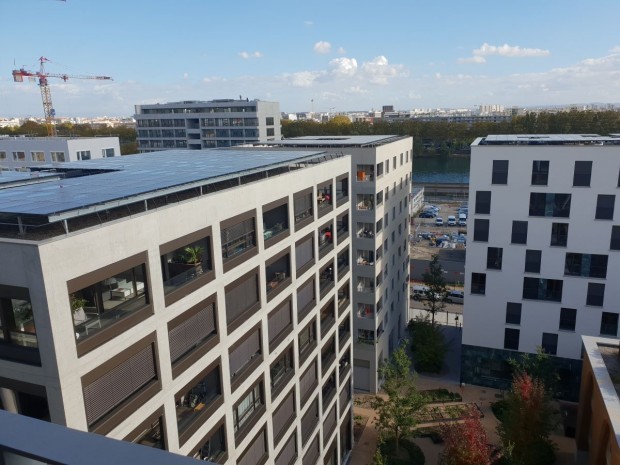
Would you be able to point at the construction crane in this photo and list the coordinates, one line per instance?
(46, 96)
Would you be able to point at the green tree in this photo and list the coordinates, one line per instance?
(378, 458)
(436, 288)
(396, 413)
(539, 366)
(427, 344)
(528, 421)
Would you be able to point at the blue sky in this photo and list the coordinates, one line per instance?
(343, 55)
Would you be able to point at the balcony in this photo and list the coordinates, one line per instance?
(344, 366)
(344, 332)
(343, 299)
(365, 285)
(329, 391)
(278, 276)
(365, 311)
(365, 336)
(342, 191)
(365, 202)
(342, 228)
(275, 224)
(343, 264)
(324, 200)
(326, 240)
(365, 257)
(326, 280)
(327, 318)
(365, 230)
(365, 173)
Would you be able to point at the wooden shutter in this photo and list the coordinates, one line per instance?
(279, 320)
(283, 414)
(240, 356)
(255, 451)
(288, 452)
(304, 252)
(307, 382)
(305, 296)
(191, 332)
(241, 297)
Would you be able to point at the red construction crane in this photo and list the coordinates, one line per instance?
(46, 96)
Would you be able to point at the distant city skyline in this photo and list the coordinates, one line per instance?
(323, 56)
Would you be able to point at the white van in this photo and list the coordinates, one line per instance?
(418, 292)
(462, 219)
(451, 220)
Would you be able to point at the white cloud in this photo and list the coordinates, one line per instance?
(475, 59)
(185, 75)
(378, 70)
(322, 47)
(343, 66)
(355, 90)
(309, 23)
(246, 55)
(616, 49)
(510, 51)
(303, 78)
(341, 51)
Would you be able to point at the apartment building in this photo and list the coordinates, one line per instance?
(183, 300)
(23, 152)
(199, 125)
(543, 257)
(598, 418)
(380, 187)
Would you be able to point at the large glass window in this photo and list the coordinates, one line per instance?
(511, 339)
(494, 258)
(540, 172)
(550, 204)
(102, 304)
(513, 313)
(483, 202)
(37, 156)
(614, 242)
(191, 402)
(549, 343)
(238, 238)
(605, 207)
(481, 230)
(542, 289)
(58, 156)
(365, 172)
(275, 221)
(500, 172)
(478, 283)
(609, 324)
(16, 318)
(303, 207)
(19, 156)
(582, 174)
(586, 265)
(242, 412)
(519, 232)
(532, 261)
(559, 234)
(596, 294)
(568, 319)
(185, 264)
(214, 449)
(281, 367)
(277, 273)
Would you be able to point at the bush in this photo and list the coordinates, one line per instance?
(499, 409)
(416, 456)
(440, 396)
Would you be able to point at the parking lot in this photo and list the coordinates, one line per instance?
(424, 232)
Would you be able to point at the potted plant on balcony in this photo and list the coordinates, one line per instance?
(193, 256)
(77, 303)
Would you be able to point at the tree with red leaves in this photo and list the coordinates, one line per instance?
(466, 442)
(528, 421)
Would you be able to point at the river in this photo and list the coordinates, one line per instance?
(441, 170)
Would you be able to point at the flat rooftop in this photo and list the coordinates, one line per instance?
(548, 139)
(77, 189)
(337, 141)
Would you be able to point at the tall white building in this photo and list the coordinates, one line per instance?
(542, 259)
(23, 152)
(181, 300)
(199, 125)
(380, 187)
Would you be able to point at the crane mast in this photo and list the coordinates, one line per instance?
(46, 95)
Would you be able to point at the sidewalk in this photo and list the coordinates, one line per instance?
(449, 378)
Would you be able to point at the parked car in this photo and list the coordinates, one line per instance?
(451, 220)
(439, 221)
(427, 214)
(418, 292)
(454, 297)
(462, 239)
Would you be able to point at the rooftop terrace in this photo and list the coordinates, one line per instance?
(337, 141)
(548, 139)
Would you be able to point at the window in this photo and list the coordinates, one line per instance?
(513, 313)
(105, 153)
(238, 238)
(582, 174)
(614, 243)
(379, 227)
(550, 343)
(324, 198)
(326, 239)
(242, 412)
(37, 156)
(306, 297)
(365, 173)
(542, 289)
(304, 253)
(104, 303)
(550, 205)
(283, 366)
(150, 433)
(275, 221)
(379, 198)
(596, 294)
(271, 132)
(214, 448)
(365, 202)
(540, 172)
(342, 188)
(17, 327)
(609, 324)
(2, 155)
(326, 278)
(511, 339)
(279, 321)
(494, 258)
(269, 120)
(303, 206)
(483, 202)
(342, 263)
(327, 317)
(58, 156)
(306, 341)
(532, 261)
(586, 265)
(394, 162)
(342, 227)
(201, 393)
(519, 232)
(481, 230)
(244, 353)
(289, 451)
(568, 319)
(191, 330)
(186, 262)
(241, 296)
(278, 273)
(83, 155)
(559, 234)
(379, 169)
(478, 283)
(19, 156)
(500, 172)
(605, 207)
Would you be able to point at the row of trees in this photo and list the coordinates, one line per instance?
(443, 138)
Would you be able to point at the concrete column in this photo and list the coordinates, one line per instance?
(9, 400)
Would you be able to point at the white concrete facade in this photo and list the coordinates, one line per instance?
(380, 301)
(46, 268)
(486, 311)
(202, 125)
(24, 152)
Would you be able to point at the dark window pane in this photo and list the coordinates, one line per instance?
(500, 172)
(605, 207)
(478, 283)
(549, 205)
(494, 258)
(550, 343)
(540, 172)
(532, 261)
(542, 289)
(519, 232)
(596, 294)
(483, 202)
(559, 234)
(511, 339)
(513, 313)
(568, 319)
(614, 243)
(609, 324)
(481, 230)
(582, 173)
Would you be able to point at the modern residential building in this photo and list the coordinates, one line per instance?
(23, 152)
(380, 187)
(199, 125)
(185, 301)
(543, 252)
(598, 418)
